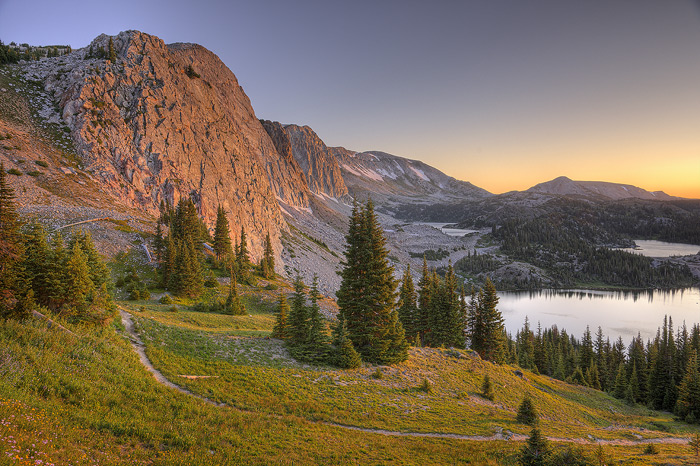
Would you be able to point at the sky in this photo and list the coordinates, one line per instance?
(504, 94)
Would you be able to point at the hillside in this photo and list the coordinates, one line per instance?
(91, 399)
(564, 186)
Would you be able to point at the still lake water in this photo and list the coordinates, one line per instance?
(448, 231)
(653, 248)
(616, 312)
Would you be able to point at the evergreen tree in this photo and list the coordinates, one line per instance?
(577, 377)
(243, 258)
(111, 54)
(620, 382)
(234, 305)
(492, 339)
(316, 346)
(56, 293)
(298, 317)
(281, 329)
(688, 403)
(77, 281)
(422, 321)
(526, 411)
(268, 259)
(525, 345)
(37, 262)
(345, 355)
(487, 388)
(407, 307)
(536, 450)
(593, 377)
(222, 237)
(367, 292)
(11, 247)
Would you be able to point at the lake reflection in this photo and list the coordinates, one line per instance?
(652, 248)
(617, 312)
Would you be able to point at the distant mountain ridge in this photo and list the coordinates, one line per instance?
(564, 186)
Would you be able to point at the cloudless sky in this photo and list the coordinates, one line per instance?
(505, 94)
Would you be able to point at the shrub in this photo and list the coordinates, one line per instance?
(651, 449)
(271, 287)
(426, 386)
(14, 171)
(165, 299)
(377, 374)
(34, 173)
(487, 388)
(172, 309)
(211, 282)
(191, 73)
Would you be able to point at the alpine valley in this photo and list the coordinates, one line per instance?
(109, 138)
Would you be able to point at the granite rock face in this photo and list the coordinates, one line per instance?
(167, 121)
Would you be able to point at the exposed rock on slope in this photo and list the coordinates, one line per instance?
(316, 161)
(167, 121)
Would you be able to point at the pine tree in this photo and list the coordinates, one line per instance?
(112, 54)
(316, 346)
(78, 282)
(233, 305)
(243, 258)
(298, 317)
(407, 306)
(345, 355)
(526, 411)
(424, 297)
(536, 450)
(487, 388)
(593, 377)
(56, 293)
(493, 341)
(367, 292)
(268, 260)
(222, 237)
(281, 329)
(688, 403)
(11, 247)
(620, 382)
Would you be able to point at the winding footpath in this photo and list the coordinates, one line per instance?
(140, 350)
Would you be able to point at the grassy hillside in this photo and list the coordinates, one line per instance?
(87, 399)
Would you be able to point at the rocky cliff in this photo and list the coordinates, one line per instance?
(167, 121)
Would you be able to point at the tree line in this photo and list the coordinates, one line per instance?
(557, 244)
(69, 279)
(376, 323)
(661, 373)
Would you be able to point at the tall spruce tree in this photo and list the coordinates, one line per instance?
(281, 329)
(298, 317)
(267, 263)
(11, 248)
(77, 281)
(222, 237)
(111, 54)
(367, 292)
(234, 305)
(407, 306)
(243, 258)
(688, 403)
(345, 355)
(492, 339)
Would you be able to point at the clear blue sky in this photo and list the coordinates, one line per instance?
(504, 94)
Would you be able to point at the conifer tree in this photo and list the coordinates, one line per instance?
(367, 292)
(233, 305)
(688, 403)
(111, 54)
(492, 340)
(316, 345)
(526, 411)
(536, 450)
(345, 355)
(281, 329)
(11, 247)
(620, 382)
(487, 388)
(36, 261)
(424, 298)
(77, 281)
(407, 306)
(593, 377)
(268, 259)
(243, 258)
(298, 317)
(56, 293)
(222, 237)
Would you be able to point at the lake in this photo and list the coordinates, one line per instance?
(617, 312)
(448, 231)
(653, 248)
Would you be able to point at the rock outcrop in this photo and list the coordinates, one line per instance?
(167, 121)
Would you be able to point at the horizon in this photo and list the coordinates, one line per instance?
(480, 91)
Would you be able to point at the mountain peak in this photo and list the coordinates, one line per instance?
(564, 186)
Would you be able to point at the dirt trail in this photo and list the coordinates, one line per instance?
(140, 350)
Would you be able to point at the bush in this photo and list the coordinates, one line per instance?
(377, 374)
(651, 449)
(426, 386)
(487, 388)
(165, 299)
(191, 73)
(211, 282)
(570, 456)
(41, 163)
(271, 287)
(14, 171)
(34, 173)
(172, 309)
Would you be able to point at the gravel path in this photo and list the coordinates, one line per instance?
(509, 436)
